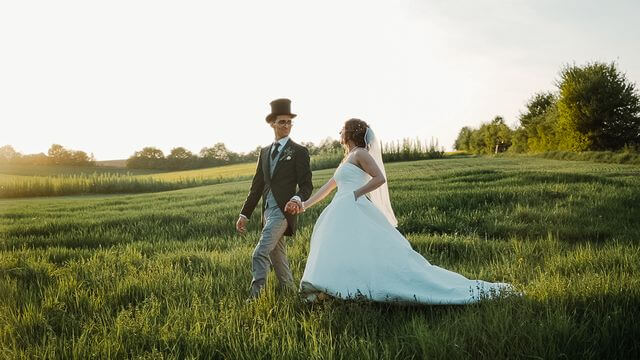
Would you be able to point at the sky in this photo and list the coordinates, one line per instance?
(112, 77)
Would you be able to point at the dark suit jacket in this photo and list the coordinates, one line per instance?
(293, 169)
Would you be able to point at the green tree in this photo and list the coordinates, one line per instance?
(58, 155)
(180, 158)
(495, 133)
(519, 141)
(311, 147)
(329, 145)
(216, 155)
(147, 158)
(8, 154)
(463, 141)
(477, 143)
(253, 155)
(536, 107)
(598, 108)
(542, 135)
(80, 158)
(35, 159)
(535, 131)
(503, 133)
(485, 139)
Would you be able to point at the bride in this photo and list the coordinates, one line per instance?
(356, 250)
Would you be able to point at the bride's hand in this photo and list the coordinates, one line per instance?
(291, 207)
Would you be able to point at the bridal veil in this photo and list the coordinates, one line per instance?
(380, 196)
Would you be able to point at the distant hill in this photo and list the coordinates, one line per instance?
(113, 163)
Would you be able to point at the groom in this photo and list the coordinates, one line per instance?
(282, 166)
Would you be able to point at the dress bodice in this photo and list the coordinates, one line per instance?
(349, 177)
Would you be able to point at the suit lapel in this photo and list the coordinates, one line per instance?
(266, 162)
(280, 159)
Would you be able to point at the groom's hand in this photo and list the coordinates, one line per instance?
(241, 225)
(299, 206)
(292, 207)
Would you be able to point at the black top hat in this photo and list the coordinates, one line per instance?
(280, 107)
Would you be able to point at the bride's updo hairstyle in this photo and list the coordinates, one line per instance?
(355, 130)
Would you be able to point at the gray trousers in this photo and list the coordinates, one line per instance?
(271, 250)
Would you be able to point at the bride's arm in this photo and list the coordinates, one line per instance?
(320, 194)
(369, 165)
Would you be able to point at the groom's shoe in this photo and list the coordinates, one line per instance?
(252, 298)
(254, 294)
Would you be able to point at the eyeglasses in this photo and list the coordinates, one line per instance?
(284, 122)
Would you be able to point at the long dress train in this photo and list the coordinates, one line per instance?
(355, 252)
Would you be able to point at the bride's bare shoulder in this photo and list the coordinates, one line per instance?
(362, 154)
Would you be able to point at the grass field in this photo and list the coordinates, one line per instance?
(21, 181)
(234, 171)
(164, 275)
(57, 170)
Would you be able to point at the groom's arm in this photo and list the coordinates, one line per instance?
(257, 187)
(303, 174)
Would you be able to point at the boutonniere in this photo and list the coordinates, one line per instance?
(286, 154)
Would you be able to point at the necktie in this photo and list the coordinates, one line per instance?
(275, 151)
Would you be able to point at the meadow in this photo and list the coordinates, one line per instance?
(626, 156)
(164, 275)
(24, 181)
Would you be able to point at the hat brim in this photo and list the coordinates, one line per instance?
(271, 117)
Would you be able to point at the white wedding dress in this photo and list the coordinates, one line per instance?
(357, 253)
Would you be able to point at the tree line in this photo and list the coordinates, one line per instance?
(57, 155)
(595, 108)
(180, 158)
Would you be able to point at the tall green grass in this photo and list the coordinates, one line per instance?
(407, 150)
(60, 170)
(99, 184)
(412, 149)
(117, 183)
(164, 275)
(624, 157)
(328, 160)
(57, 181)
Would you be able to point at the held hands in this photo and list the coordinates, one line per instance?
(291, 208)
(294, 207)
